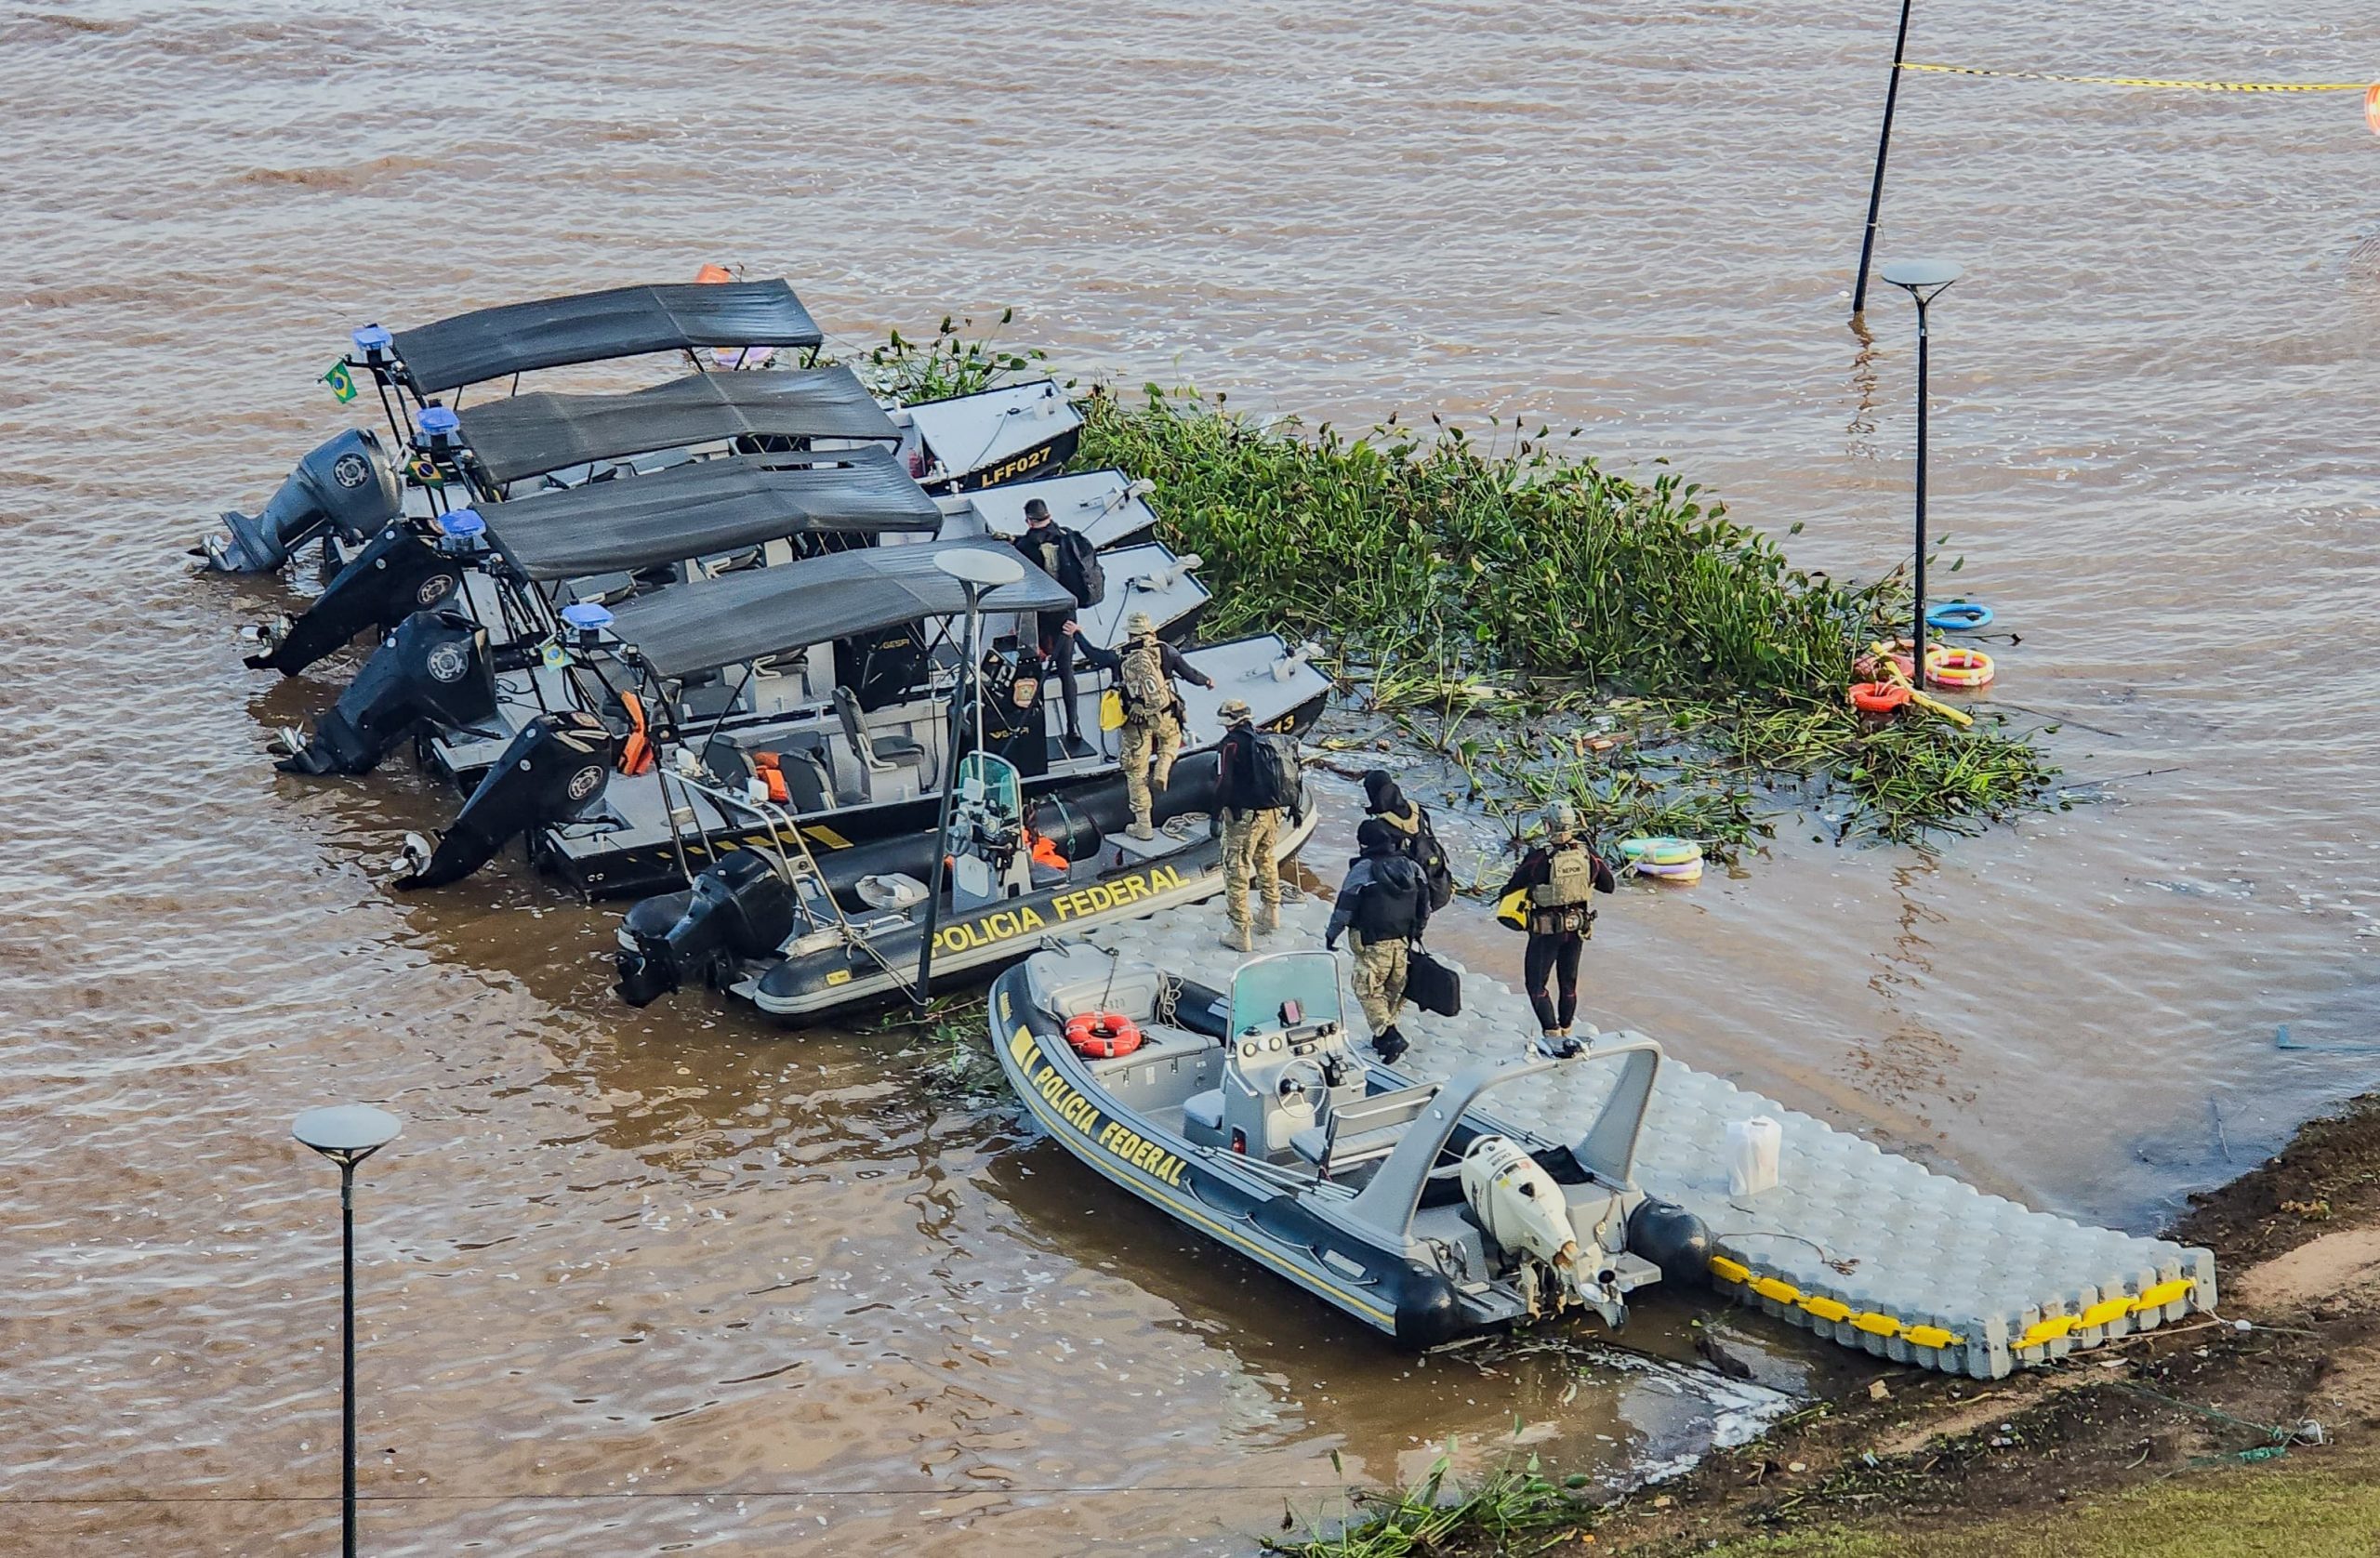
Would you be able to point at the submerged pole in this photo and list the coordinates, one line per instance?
(347, 1390)
(1884, 146)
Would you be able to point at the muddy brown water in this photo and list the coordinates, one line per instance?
(663, 1281)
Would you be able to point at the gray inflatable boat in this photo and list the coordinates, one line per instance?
(1249, 1116)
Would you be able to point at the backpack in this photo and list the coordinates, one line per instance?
(1430, 856)
(1274, 775)
(1081, 559)
(1148, 693)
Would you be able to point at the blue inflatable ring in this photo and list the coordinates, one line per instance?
(1958, 616)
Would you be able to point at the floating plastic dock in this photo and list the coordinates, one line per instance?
(1864, 1247)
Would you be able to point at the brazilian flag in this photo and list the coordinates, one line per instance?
(342, 383)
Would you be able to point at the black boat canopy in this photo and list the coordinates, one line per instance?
(704, 508)
(774, 611)
(490, 343)
(528, 435)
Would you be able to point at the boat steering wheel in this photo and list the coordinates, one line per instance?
(1300, 1084)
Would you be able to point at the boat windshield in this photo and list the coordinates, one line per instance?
(1287, 990)
(988, 786)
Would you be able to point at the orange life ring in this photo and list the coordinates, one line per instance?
(1103, 1036)
(1878, 697)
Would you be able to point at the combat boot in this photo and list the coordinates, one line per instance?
(1236, 938)
(1271, 921)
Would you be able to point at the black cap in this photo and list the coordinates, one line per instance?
(1036, 510)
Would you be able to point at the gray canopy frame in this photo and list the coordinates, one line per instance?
(531, 434)
(706, 507)
(762, 612)
(593, 326)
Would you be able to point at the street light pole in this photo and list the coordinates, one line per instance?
(347, 1135)
(979, 571)
(1923, 280)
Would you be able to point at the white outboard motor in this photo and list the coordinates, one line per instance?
(346, 487)
(1524, 1212)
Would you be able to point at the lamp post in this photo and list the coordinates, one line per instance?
(979, 570)
(1923, 280)
(347, 1134)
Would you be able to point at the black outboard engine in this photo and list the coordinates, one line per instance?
(433, 671)
(346, 487)
(740, 908)
(398, 574)
(553, 772)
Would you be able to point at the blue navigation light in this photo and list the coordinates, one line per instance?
(372, 341)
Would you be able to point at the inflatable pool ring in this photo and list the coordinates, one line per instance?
(1687, 871)
(1872, 666)
(1878, 697)
(1103, 1036)
(1662, 850)
(1959, 668)
(1959, 616)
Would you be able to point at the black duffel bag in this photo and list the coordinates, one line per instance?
(1431, 986)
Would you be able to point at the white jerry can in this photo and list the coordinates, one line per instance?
(1753, 1149)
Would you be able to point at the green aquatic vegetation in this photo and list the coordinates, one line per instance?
(1434, 1516)
(1485, 592)
(955, 361)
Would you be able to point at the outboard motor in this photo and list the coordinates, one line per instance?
(346, 487)
(740, 908)
(398, 574)
(433, 670)
(553, 772)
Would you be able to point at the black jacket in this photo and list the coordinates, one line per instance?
(1235, 769)
(1385, 898)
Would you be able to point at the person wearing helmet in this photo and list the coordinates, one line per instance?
(1064, 555)
(1383, 905)
(1251, 825)
(1560, 876)
(1145, 671)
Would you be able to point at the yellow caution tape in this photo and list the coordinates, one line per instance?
(2146, 81)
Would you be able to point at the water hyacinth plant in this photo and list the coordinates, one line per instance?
(1492, 595)
(1544, 627)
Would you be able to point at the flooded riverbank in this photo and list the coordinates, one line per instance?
(618, 1253)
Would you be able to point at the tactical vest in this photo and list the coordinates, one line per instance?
(1560, 902)
(1141, 680)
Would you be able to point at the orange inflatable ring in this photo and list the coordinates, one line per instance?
(1958, 668)
(1103, 1036)
(1878, 697)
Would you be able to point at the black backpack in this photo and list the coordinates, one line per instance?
(1090, 581)
(1274, 777)
(1422, 847)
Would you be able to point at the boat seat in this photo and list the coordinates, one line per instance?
(1205, 1109)
(1361, 1132)
(877, 754)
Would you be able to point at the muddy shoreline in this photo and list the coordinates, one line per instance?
(2274, 1403)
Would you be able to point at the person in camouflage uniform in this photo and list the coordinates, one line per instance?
(1383, 907)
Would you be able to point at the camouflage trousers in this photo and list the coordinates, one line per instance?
(1149, 750)
(1252, 846)
(1379, 979)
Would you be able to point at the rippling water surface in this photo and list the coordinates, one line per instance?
(664, 1253)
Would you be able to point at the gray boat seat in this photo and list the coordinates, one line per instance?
(1205, 1109)
(1361, 1132)
(877, 754)
(808, 788)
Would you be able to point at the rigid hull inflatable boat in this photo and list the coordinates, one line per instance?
(798, 939)
(500, 664)
(729, 331)
(1247, 1114)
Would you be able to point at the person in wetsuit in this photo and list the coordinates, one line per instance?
(1561, 878)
